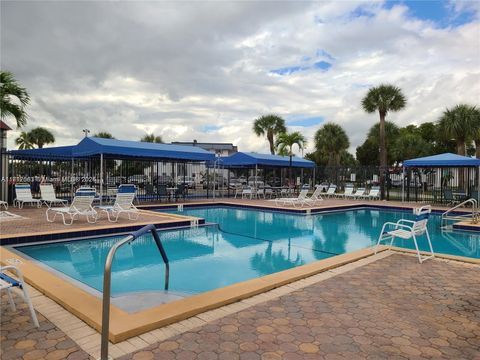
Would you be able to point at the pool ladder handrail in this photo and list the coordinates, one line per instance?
(474, 215)
(107, 278)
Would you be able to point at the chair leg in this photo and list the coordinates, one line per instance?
(430, 243)
(26, 297)
(420, 260)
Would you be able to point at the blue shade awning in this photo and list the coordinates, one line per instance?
(51, 153)
(246, 159)
(117, 149)
(443, 160)
(124, 148)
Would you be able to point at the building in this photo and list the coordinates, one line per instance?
(221, 149)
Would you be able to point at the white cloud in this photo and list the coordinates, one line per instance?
(174, 68)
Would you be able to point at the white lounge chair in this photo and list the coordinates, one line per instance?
(315, 198)
(331, 191)
(49, 197)
(268, 192)
(408, 229)
(80, 206)
(23, 195)
(300, 200)
(373, 194)
(360, 193)
(123, 204)
(348, 191)
(4, 204)
(7, 283)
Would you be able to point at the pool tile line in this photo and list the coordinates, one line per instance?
(88, 339)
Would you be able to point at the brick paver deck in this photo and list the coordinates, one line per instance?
(393, 308)
(20, 339)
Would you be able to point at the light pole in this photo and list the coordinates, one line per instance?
(86, 131)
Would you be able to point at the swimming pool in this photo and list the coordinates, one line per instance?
(245, 244)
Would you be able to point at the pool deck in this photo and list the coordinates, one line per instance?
(386, 306)
(78, 314)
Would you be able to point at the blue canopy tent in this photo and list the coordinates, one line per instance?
(441, 161)
(250, 160)
(101, 149)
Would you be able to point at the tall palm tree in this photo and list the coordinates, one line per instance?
(459, 123)
(40, 137)
(10, 89)
(103, 135)
(285, 143)
(384, 99)
(270, 125)
(332, 140)
(24, 141)
(151, 138)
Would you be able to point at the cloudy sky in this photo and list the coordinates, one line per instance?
(205, 70)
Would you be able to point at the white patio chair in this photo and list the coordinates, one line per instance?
(4, 204)
(238, 191)
(331, 191)
(408, 229)
(268, 192)
(23, 195)
(81, 206)
(300, 200)
(49, 197)
(247, 193)
(8, 283)
(123, 204)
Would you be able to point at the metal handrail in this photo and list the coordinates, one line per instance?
(474, 214)
(107, 277)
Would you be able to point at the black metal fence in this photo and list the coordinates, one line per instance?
(170, 180)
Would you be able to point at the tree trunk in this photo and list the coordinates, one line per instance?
(461, 147)
(270, 141)
(477, 148)
(383, 154)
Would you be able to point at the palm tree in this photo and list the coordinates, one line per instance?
(271, 125)
(151, 138)
(384, 99)
(459, 124)
(40, 137)
(285, 143)
(103, 135)
(332, 140)
(9, 88)
(24, 141)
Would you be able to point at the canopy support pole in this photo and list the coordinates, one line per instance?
(72, 179)
(403, 184)
(101, 178)
(256, 172)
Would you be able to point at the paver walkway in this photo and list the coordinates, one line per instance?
(20, 339)
(394, 308)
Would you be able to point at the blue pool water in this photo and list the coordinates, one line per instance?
(246, 244)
